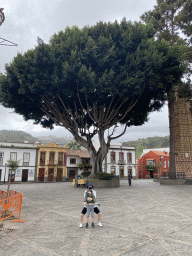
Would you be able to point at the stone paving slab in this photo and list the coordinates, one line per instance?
(144, 219)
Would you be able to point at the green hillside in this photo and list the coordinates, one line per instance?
(16, 136)
(20, 137)
(151, 142)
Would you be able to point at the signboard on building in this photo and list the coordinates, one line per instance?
(31, 173)
(18, 173)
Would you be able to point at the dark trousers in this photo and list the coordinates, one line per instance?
(129, 182)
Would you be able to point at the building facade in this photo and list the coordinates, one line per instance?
(120, 161)
(26, 154)
(74, 157)
(159, 162)
(51, 164)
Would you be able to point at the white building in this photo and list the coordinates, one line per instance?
(74, 157)
(25, 153)
(120, 160)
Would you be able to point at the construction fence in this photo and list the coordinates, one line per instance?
(10, 206)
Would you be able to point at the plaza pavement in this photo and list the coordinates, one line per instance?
(144, 219)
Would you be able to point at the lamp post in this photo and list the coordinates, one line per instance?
(5, 172)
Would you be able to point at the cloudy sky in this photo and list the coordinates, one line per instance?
(25, 20)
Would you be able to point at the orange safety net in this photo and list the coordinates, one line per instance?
(11, 205)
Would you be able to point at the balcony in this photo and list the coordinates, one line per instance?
(122, 162)
(25, 163)
(52, 162)
(42, 162)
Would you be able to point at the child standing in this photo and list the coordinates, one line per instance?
(90, 200)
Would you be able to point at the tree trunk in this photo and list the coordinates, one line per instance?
(171, 106)
(97, 157)
(97, 160)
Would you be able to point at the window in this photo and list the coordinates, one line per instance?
(129, 169)
(60, 159)
(1, 158)
(129, 158)
(13, 156)
(26, 157)
(165, 164)
(85, 161)
(51, 157)
(42, 158)
(121, 156)
(113, 169)
(72, 160)
(150, 162)
(113, 157)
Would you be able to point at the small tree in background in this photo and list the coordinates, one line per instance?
(150, 168)
(74, 145)
(85, 167)
(13, 165)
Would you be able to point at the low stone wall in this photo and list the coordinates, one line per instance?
(105, 183)
(166, 181)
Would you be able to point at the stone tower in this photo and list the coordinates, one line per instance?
(183, 137)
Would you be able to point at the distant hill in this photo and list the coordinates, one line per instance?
(59, 140)
(16, 136)
(150, 142)
(20, 137)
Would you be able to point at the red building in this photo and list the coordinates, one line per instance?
(153, 163)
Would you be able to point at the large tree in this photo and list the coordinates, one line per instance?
(172, 22)
(89, 80)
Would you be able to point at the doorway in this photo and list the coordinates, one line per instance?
(59, 174)
(41, 174)
(50, 174)
(24, 175)
(121, 172)
(71, 174)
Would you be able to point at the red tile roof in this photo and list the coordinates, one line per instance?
(161, 153)
(80, 153)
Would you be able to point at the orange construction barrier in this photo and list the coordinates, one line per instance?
(11, 205)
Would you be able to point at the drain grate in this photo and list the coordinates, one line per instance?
(7, 230)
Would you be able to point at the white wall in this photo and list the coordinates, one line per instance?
(23, 148)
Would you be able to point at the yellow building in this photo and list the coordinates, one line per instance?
(51, 164)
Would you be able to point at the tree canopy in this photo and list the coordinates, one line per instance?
(88, 80)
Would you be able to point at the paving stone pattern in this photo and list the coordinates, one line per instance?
(145, 219)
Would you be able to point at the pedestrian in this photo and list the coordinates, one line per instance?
(130, 178)
(89, 200)
(96, 210)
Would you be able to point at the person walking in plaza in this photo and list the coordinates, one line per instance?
(96, 210)
(130, 178)
(90, 201)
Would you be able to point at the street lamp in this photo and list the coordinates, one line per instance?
(5, 172)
